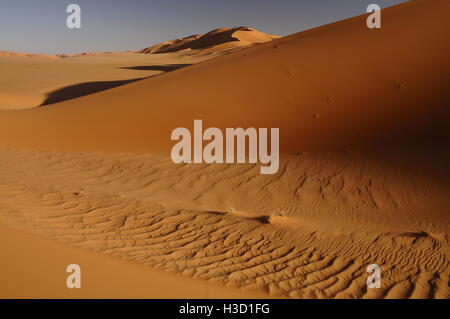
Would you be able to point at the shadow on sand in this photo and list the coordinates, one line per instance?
(82, 89)
(164, 68)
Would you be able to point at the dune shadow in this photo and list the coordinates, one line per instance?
(82, 89)
(164, 68)
(262, 219)
(416, 234)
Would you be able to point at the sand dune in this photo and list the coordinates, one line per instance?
(364, 175)
(219, 40)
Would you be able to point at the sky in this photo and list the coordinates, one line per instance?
(39, 26)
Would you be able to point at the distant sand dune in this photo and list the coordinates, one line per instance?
(29, 55)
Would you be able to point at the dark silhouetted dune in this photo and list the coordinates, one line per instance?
(223, 39)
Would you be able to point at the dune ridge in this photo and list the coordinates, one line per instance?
(218, 40)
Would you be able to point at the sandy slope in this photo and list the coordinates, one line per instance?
(364, 176)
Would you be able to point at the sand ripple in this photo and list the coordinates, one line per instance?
(308, 232)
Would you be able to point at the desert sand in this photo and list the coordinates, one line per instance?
(32, 81)
(42, 263)
(364, 174)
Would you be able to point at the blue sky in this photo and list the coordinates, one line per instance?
(39, 26)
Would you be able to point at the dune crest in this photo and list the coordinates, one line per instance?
(364, 174)
(218, 40)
